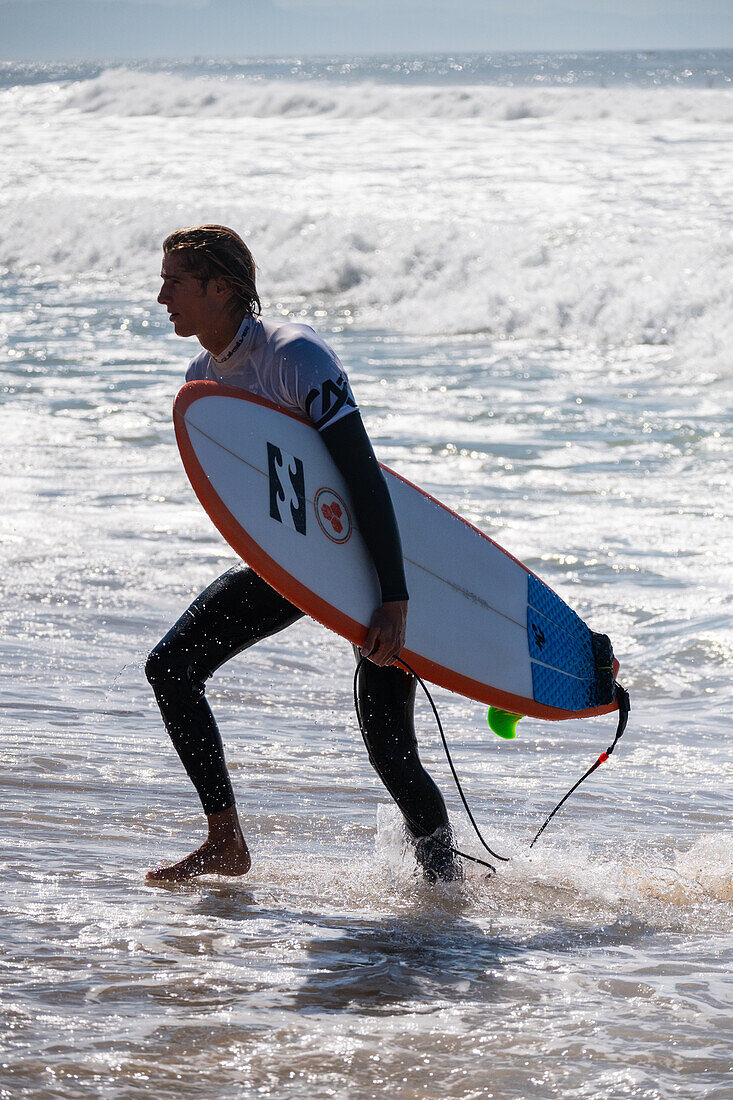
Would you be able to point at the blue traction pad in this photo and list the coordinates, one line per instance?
(561, 651)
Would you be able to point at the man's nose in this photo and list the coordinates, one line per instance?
(163, 296)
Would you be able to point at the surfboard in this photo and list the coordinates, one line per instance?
(480, 622)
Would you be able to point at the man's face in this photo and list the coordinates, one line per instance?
(191, 308)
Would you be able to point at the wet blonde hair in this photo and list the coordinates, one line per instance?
(217, 252)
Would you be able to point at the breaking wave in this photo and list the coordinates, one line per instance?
(588, 214)
(129, 93)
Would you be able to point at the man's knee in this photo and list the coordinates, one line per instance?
(167, 669)
(155, 667)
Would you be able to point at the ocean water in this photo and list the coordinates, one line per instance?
(526, 266)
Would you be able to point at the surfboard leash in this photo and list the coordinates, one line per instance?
(624, 707)
(410, 821)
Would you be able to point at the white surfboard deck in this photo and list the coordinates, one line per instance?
(479, 622)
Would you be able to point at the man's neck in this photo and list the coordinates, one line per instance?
(220, 336)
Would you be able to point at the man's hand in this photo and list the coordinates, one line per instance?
(386, 635)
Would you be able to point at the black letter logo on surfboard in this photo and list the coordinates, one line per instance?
(539, 637)
(287, 488)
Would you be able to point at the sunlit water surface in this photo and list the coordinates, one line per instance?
(599, 963)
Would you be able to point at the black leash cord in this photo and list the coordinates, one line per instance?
(624, 706)
(411, 822)
(503, 859)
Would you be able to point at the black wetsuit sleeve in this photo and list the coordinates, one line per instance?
(349, 447)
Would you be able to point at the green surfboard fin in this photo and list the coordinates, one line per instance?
(503, 722)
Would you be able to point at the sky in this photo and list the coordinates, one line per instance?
(39, 30)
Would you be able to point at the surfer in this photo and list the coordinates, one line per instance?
(209, 292)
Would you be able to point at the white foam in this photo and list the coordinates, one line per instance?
(506, 280)
(569, 877)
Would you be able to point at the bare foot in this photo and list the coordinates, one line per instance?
(210, 859)
(224, 852)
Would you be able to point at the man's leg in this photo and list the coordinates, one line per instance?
(386, 701)
(233, 613)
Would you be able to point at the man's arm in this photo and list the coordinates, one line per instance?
(349, 447)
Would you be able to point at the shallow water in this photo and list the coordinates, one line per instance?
(590, 443)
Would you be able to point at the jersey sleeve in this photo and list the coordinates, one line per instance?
(313, 378)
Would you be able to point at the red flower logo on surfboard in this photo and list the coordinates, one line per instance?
(332, 515)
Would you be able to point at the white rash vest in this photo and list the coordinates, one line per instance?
(291, 366)
(288, 364)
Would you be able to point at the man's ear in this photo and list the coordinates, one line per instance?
(224, 291)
